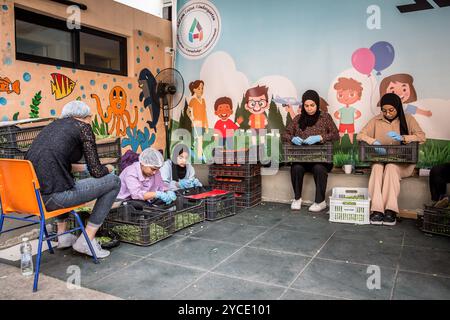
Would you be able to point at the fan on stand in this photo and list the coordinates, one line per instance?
(170, 89)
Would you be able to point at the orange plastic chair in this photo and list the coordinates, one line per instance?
(19, 192)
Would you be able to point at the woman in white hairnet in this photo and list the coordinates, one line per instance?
(58, 146)
(142, 180)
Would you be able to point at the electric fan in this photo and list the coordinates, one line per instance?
(170, 89)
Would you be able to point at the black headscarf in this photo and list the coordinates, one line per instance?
(395, 101)
(179, 172)
(305, 119)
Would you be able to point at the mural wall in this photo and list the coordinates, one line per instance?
(32, 90)
(249, 62)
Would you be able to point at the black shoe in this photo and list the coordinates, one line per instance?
(390, 218)
(376, 218)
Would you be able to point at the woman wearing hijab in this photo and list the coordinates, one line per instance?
(179, 174)
(310, 127)
(390, 127)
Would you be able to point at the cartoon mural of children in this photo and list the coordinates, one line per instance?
(349, 91)
(257, 102)
(223, 108)
(402, 85)
(197, 112)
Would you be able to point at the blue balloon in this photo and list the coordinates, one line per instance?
(384, 55)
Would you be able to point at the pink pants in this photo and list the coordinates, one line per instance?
(384, 185)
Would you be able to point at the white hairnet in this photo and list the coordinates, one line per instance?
(151, 158)
(76, 109)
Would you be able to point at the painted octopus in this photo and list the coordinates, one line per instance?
(117, 111)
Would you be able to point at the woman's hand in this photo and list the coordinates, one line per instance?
(111, 168)
(313, 139)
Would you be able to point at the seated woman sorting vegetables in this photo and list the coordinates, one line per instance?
(390, 127)
(179, 174)
(310, 127)
(54, 154)
(142, 180)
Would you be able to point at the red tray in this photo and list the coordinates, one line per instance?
(212, 193)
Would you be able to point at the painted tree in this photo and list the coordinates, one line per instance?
(288, 119)
(275, 118)
(244, 113)
(34, 106)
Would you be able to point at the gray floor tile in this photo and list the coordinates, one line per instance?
(57, 265)
(145, 251)
(291, 241)
(300, 295)
(263, 266)
(417, 238)
(425, 260)
(230, 232)
(147, 280)
(413, 286)
(359, 251)
(371, 233)
(216, 287)
(257, 218)
(344, 280)
(195, 252)
(310, 224)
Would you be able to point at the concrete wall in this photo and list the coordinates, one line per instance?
(278, 188)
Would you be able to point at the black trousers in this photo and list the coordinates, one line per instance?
(439, 177)
(320, 173)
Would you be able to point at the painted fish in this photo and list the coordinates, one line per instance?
(62, 85)
(9, 87)
(147, 83)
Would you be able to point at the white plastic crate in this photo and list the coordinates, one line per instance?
(345, 208)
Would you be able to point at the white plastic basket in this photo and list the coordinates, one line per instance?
(350, 205)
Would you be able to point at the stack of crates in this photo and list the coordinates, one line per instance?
(242, 179)
(16, 138)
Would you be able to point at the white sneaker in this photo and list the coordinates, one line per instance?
(66, 240)
(296, 204)
(317, 207)
(81, 246)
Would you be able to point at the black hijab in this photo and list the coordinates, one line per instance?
(395, 101)
(305, 119)
(179, 172)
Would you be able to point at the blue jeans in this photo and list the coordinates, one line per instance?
(104, 189)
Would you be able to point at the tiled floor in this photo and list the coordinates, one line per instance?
(269, 252)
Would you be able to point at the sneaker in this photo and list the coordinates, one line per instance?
(66, 240)
(81, 246)
(296, 204)
(377, 218)
(390, 218)
(317, 207)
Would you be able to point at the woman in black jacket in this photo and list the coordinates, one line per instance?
(58, 146)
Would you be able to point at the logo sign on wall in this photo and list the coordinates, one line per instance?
(198, 27)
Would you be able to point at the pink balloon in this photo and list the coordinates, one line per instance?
(363, 60)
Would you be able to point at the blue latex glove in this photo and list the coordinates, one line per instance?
(313, 140)
(185, 183)
(196, 183)
(394, 135)
(297, 141)
(164, 196)
(380, 151)
(172, 196)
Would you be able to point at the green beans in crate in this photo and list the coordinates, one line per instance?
(141, 227)
(404, 153)
(218, 204)
(322, 153)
